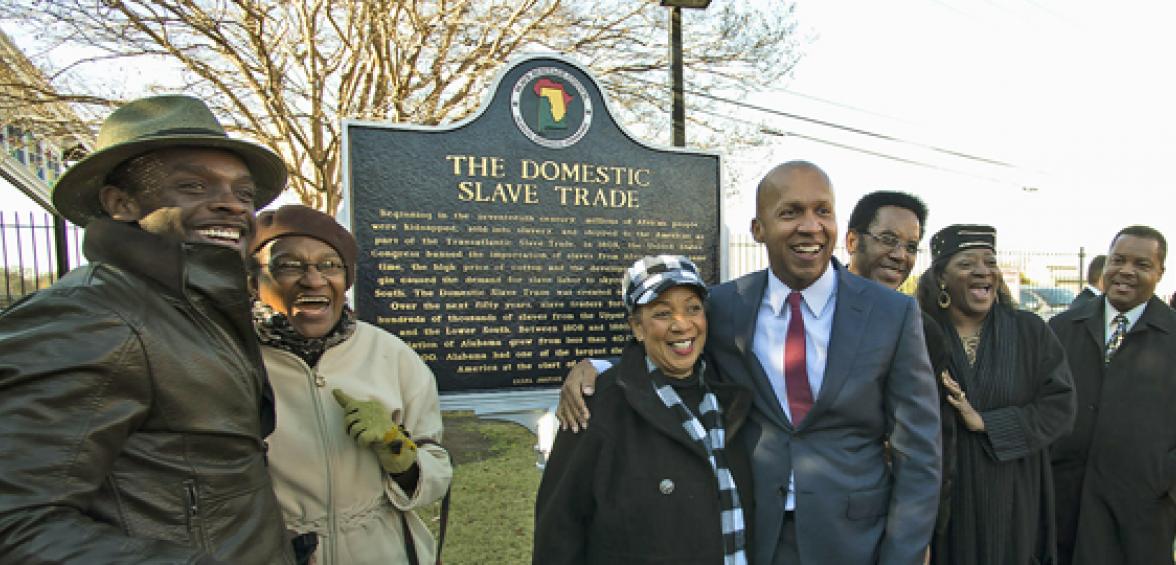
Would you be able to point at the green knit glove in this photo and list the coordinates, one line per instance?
(370, 425)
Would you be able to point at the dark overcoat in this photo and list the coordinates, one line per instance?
(1085, 296)
(1001, 507)
(634, 488)
(1115, 475)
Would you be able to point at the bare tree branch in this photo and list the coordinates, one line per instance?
(286, 72)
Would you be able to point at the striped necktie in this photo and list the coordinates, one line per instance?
(1116, 340)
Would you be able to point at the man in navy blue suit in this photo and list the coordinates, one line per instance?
(845, 432)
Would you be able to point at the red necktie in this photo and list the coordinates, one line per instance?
(800, 396)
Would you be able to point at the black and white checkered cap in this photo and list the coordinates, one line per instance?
(651, 275)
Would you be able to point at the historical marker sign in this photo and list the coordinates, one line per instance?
(495, 247)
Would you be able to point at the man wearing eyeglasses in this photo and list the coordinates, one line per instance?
(885, 229)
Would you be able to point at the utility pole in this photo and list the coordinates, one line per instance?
(678, 111)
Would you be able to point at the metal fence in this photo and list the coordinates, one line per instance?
(29, 253)
(29, 257)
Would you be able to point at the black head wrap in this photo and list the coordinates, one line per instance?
(961, 237)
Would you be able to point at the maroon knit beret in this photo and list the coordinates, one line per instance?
(296, 219)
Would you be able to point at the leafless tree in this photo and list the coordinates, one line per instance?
(285, 72)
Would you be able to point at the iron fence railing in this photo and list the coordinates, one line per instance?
(28, 253)
(29, 256)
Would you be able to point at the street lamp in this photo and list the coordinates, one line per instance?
(678, 114)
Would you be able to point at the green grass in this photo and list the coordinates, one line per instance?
(491, 513)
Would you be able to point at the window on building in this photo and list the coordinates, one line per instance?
(16, 142)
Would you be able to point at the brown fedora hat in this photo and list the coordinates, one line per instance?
(148, 124)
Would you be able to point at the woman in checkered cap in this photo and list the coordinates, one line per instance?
(658, 478)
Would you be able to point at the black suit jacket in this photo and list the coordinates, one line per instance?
(1115, 474)
(1085, 296)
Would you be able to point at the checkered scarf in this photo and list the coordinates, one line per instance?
(709, 433)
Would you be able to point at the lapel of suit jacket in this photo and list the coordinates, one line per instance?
(1156, 316)
(750, 294)
(1090, 315)
(849, 322)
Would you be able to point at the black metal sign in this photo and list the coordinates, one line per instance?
(495, 247)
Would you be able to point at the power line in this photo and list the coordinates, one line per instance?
(845, 128)
(855, 130)
(1066, 20)
(843, 105)
(950, 7)
(848, 147)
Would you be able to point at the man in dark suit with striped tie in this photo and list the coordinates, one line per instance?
(1115, 474)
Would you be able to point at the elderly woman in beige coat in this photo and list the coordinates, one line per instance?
(356, 448)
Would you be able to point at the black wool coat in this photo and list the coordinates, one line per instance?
(1001, 508)
(939, 352)
(634, 488)
(1115, 475)
(1083, 297)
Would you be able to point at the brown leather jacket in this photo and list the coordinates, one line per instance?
(133, 405)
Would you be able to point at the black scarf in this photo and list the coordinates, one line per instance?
(274, 329)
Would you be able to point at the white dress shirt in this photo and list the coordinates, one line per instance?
(817, 304)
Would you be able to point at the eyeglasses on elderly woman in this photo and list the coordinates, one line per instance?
(295, 268)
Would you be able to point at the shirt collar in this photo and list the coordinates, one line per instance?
(1093, 289)
(1133, 315)
(816, 296)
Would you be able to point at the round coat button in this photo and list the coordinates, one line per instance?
(666, 486)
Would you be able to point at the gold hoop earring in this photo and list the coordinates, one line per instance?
(944, 300)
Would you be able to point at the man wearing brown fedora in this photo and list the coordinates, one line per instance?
(133, 401)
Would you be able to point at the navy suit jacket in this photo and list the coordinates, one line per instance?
(854, 503)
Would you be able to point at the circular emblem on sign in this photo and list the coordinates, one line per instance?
(551, 107)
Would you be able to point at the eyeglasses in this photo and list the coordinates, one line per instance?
(889, 241)
(294, 268)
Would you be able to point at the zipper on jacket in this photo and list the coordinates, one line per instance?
(192, 510)
(245, 366)
(329, 452)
